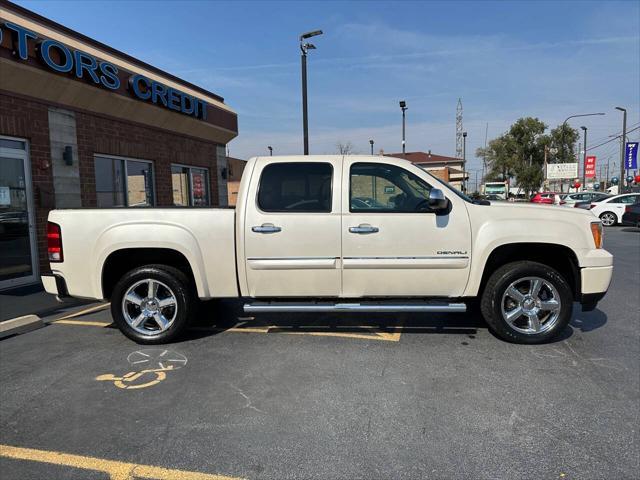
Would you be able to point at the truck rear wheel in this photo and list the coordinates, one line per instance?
(152, 304)
(527, 302)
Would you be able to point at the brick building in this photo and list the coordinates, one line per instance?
(449, 169)
(84, 125)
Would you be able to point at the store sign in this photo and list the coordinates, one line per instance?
(590, 167)
(560, 171)
(631, 156)
(59, 58)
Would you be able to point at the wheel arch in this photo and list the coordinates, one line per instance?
(559, 257)
(121, 261)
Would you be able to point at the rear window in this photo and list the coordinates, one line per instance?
(296, 187)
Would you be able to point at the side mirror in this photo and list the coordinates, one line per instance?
(437, 200)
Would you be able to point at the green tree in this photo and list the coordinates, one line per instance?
(519, 153)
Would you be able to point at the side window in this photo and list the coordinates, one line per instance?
(296, 187)
(376, 187)
(628, 199)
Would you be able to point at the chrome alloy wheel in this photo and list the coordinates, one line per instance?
(149, 307)
(608, 219)
(531, 305)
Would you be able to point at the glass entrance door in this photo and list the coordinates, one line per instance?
(17, 234)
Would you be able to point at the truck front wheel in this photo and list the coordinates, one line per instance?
(527, 302)
(152, 304)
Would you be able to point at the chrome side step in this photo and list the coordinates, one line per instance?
(301, 307)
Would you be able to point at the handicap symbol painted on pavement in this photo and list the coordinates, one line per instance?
(156, 363)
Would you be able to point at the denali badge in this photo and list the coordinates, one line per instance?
(451, 252)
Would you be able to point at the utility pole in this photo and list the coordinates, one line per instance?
(484, 155)
(584, 160)
(623, 177)
(464, 162)
(403, 107)
(304, 48)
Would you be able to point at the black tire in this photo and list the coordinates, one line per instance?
(606, 222)
(493, 297)
(179, 286)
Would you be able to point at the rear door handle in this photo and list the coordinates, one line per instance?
(364, 228)
(266, 228)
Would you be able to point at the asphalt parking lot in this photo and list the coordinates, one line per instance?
(329, 397)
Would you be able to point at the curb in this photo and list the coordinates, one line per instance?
(19, 325)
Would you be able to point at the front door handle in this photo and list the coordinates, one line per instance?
(364, 228)
(266, 228)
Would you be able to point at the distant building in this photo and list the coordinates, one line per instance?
(449, 169)
(235, 168)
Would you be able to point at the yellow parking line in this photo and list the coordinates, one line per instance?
(389, 337)
(79, 313)
(82, 322)
(373, 335)
(116, 470)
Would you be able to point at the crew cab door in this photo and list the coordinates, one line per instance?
(292, 228)
(391, 244)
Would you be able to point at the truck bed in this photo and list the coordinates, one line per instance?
(205, 236)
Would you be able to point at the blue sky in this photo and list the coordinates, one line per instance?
(504, 59)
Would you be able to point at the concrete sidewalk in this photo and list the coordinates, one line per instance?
(32, 300)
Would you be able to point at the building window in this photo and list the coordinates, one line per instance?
(378, 187)
(295, 187)
(190, 186)
(123, 182)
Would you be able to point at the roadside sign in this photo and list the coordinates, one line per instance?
(590, 167)
(631, 156)
(560, 171)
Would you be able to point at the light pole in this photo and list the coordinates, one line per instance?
(584, 160)
(623, 177)
(564, 124)
(464, 162)
(304, 48)
(403, 107)
(371, 142)
(270, 150)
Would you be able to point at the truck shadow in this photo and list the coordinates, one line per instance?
(218, 316)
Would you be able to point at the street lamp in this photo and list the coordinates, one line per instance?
(371, 142)
(270, 150)
(584, 159)
(403, 107)
(464, 162)
(622, 148)
(564, 124)
(304, 48)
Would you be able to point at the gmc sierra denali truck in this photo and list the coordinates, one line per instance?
(334, 234)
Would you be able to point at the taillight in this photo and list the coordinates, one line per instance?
(627, 209)
(592, 206)
(54, 242)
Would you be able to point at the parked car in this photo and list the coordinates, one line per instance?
(631, 216)
(334, 234)
(550, 198)
(570, 199)
(610, 210)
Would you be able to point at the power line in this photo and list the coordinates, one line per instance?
(613, 139)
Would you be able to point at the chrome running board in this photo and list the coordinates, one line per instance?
(301, 307)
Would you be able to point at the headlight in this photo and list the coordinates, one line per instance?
(596, 231)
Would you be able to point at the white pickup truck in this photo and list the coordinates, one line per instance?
(334, 234)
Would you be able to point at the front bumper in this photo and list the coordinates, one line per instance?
(594, 283)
